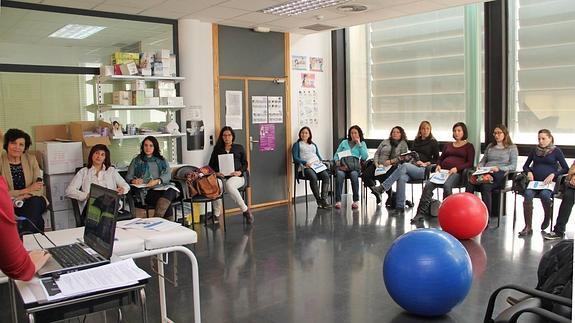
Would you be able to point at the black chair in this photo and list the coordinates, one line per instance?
(498, 202)
(179, 176)
(300, 175)
(420, 181)
(123, 214)
(533, 303)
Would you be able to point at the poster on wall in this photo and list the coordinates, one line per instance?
(234, 109)
(267, 137)
(275, 109)
(308, 110)
(316, 64)
(299, 62)
(308, 80)
(259, 109)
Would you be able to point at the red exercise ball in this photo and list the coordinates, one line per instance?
(463, 215)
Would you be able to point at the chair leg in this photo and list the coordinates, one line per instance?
(223, 215)
(514, 209)
(305, 184)
(294, 188)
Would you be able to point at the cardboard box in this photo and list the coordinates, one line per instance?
(129, 68)
(122, 98)
(164, 93)
(166, 84)
(56, 191)
(172, 101)
(60, 157)
(51, 132)
(106, 70)
(77, 129)
(137, 85)
(123, 58)
(151, 101)
(64, 220)
(149, 93)
(138, 97)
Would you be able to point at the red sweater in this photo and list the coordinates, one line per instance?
(461, 157)
(14, 259)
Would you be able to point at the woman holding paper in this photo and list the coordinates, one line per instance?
(24, 178)
(235, 178)
(348, 156)
(455, 157)
(306, 156)
(151, 170)
(427, 150)
(543, 164)
(385, 158)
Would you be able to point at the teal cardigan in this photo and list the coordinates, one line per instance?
(296, 156)
(359, 151)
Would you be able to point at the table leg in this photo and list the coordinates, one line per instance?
(143, 305)
(162, 289)
(12, 291)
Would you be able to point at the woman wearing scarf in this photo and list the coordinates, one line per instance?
(387, 154)
(149, 168)
(544, 164)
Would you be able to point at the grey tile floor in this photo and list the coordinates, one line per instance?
(299, 264)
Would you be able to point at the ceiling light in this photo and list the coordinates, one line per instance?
(76, 31)
(300, 6)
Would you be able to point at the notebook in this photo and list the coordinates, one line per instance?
(98, 243)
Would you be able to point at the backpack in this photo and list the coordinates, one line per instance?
(520, 183)
(555, 273)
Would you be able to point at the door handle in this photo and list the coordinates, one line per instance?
(252, 142)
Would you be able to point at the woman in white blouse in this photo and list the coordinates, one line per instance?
(99, 172)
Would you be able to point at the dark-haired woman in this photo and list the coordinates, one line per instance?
(500, 156)
(24, 178)
(100, 172)
(386, 155)
(544, 164)
(455, 157)
(235, 180)
(305, 155)
(151, 169)
(350, 152)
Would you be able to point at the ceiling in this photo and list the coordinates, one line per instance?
(244, 13)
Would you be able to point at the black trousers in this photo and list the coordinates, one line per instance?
(154, 195)
(369, 178)
(32, 209)
(565, 210)
(487, 189)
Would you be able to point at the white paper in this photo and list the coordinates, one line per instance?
(539, 185)
(275, 109)
(308, 110)
(226, 163)
(344, 153)
(482, 170)
(234, 109)
(381, 170)
(151, 224)
(259, 109)
(439, 177)
(318, 167)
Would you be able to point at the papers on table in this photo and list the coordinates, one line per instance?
(439, 177)
(318, 167)
(539, 185)
(150, 224)
(482, 170)
(381, 170)
(114, 275)
(226, 163)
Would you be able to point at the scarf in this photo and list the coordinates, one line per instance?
(142, 169)
(544, 151)
(393, 143)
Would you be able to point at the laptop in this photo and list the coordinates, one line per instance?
(98, 243)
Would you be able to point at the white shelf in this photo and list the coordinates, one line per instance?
(112, 78)
(157, 135)
(115, 107)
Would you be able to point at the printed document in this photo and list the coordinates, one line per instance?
(439, 177)
(381, 170)
(226, 163)
(148, 224)
(344, 153)
(539, 185)
(318, 167)
(482, 170)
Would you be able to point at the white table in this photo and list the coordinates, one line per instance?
(138, 243)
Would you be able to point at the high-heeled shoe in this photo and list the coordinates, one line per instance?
(546, 222)
(525, 232)
(416, 219)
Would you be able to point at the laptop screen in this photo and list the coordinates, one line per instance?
(101, 219)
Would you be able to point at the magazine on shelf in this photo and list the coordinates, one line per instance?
(318, 167)
(439, 177)
(482, 170)
(539, 185)
(381, 170)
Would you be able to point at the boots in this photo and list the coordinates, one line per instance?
(162, 206)
(548, 215)
(528, 215)
(377, 190)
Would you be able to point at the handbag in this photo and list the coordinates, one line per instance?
(349, 163)
(520, 183)
(481, 179)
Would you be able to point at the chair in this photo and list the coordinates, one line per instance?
(420, 181)
(300, 175)
(179, 176)
(123, 214)
(244, 189)
(533, 303)
(499, 203)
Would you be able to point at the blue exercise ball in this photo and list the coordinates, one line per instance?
(427, 272)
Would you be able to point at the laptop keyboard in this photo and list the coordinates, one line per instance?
(71, 255)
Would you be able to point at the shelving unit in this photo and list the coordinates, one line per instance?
(157, 135)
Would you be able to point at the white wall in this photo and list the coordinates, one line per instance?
(316, 45)
(196, 65)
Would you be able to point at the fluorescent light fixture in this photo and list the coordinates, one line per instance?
(300, 6)
(76, 31)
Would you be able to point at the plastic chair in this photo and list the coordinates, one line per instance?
(501, 193)
(300, 175)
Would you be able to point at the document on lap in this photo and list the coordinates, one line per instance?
(345, 153)
(381, 170)
(439, 177)
(539, 185)
(226, 163)
(482, 170)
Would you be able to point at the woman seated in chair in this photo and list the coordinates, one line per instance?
(387, 156)
(235, 180)
(500, 156)
(348, 156)
(305, 155)
(99, 171)
(24, 178)
(151, 169)
(565, 208)
(455, 157)
(427, 150)
(543, 164)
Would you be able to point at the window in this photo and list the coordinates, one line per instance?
(542, 45)
(406, 70)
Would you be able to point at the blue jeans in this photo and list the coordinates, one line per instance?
(340, 180)
(403, 174)
(544, 195)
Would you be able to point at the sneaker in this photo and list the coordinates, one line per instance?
(338, 205)
(322, 204)
(354, 205)
(552, 236)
